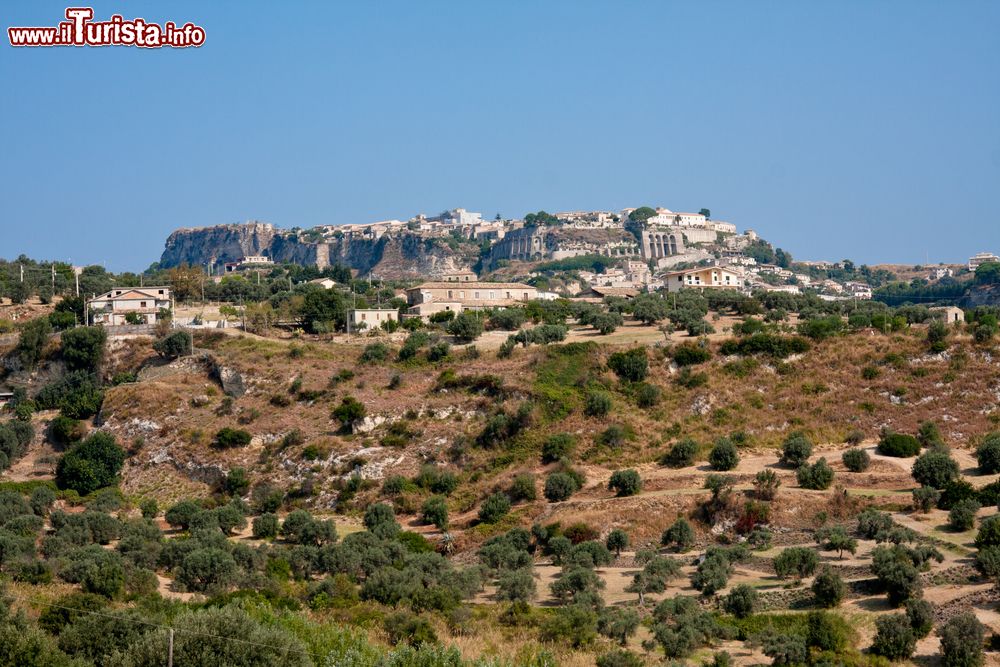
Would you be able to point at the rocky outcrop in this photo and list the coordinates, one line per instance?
(400, 256)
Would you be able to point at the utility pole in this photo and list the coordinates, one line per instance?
(21, 266)
(170, 649)
(53, 278)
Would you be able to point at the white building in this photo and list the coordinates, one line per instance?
(712, 277)
(361, 319)
(982, 258)
(141, 305)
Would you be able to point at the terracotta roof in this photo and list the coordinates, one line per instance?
(469, 285)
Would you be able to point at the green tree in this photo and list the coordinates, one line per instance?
(617, 540)
(83, 348)
(828, 588)
(796, 449)
(618, 623)
(856, 460)
(435, 512)
(173, 345)
(962, 641)
(207, 569)
(988, 454)
(559, 486)
(935, 468)
(31, 342)
(91, 465)
(630, 365)
(380, 520)
(466, 327)
(625, 482)
(741, 601)
(800, 561)
(680, 535)
(963, 514)
(494, 508)
(723, 455)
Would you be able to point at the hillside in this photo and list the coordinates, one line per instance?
(478, 422)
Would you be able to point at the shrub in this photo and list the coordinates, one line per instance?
(988, 454)
(494, 508)
(466, 327)
(796, 449)
(855, 437)
(856, 460)
(647, 395)
(265, 526)
(559, 486)
(228, 438)
(557, 446)
(598, 403)
(963, 514)
(800, 561)
(766, 483)
(83, 348)
(380, 520)
(682, 454)
(920, 613)
(925, 498)
(349, 411)
(894, 638)
(616, 541)
(818, 476)
(606, 323)
(523, 488)
(619, 658)
(631, 365)
(723, 455)
(31, 342)
(962, 641)
(435, 512)
(828, 588)
(690, 354)
(680, 535)
(935, 468)
(91, 465)
(712, 573)
(374, 353)
(898, 444)
(625, 482)
(929, 435)
(173, 345)
(741, 601)
(65, 430)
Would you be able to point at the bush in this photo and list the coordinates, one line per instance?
(559, 486)
(689, 354)
(625, 483)
(557, 446)
(606, 323)
(894, 639)
(899, 445)
(494, 508)
(228, 438)
(631, 365)
(925, 498)
(647, 395)
(523, 488)
(929, 435)
(598, 403)
(962, 641)
(265, 526)
(619, 658)
(91, 465)
(466, 327)
(435, 512)
(173, 345)
(856, 460)
(920, 613)
(616, 541)
(963, 514)
(796, 449)
(65, 430)
(800, 561)
(818, 476)
(349, 411)
(680, 535)
(988, 454)
(723, 455)
(766, 483)
(374, 353)
(682, 454)
(83, 348)
(935, 468)
(380, 521)
(828, 588)
(741, 601)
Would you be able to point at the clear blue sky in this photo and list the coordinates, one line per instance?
(848, 128)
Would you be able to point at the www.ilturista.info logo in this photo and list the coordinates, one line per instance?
(80, 30)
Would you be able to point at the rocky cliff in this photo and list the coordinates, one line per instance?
(406, 255)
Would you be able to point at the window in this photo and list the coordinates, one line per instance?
(161, 291)
(449, 294)
(142, 304)
(493, 295)
(461, 295)
(525, 296)
(363, 316)
(477, 295)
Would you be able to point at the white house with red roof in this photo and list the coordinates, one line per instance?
(129, 305)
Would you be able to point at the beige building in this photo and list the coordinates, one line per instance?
(713, 277)
(429, 298)
(370, 318)
(112, 308)
(950, 314)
